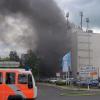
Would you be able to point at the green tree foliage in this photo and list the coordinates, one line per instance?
(5, 59)
(33, 61)
(13, 56)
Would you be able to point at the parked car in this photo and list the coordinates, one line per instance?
(43, 80)
(53, 80)
(81, 83)
(64, 81)
(61, 82)
(86, 83)
(94, 82)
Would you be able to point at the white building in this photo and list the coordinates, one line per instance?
(85, 51)
(96, 51)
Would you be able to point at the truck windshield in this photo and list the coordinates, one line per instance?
(22, 79)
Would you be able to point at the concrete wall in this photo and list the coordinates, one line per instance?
(85, 50)
(74, 50)
(96, 50)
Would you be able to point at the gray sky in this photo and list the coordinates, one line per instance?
(90, 9)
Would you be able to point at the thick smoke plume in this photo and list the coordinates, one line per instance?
(35, 24)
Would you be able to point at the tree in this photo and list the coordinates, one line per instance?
(13, 56)
(33, 61)
(5, 59)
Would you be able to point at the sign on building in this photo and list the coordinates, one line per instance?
(88, 72)
(66, 62)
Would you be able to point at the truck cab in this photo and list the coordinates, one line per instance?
(17, 84)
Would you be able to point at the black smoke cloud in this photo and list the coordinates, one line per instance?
(49, 27)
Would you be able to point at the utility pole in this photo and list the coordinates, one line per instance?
(98, 72)
(89, 51)
(87, 21)
(79, 58)
(81, 14)
(67, 72)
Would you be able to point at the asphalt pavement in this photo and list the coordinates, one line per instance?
(52, 93)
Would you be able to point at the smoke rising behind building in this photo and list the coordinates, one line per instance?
(36, 24)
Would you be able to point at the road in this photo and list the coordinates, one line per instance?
(53, 93)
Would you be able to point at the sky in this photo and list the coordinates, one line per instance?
(15, 27)
(90, 9)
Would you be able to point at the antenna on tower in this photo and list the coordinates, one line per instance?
(81, 14)
(87, 21)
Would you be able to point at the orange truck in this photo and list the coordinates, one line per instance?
(16, 83)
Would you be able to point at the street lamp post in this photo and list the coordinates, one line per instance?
(87, 21)
(81, 14)
(67, 16)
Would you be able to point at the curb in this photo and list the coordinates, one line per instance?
(69, 88)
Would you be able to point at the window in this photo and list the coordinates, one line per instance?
(30, 82)
(22, 79)
(0, 78)
(30, 78)
(10, 78)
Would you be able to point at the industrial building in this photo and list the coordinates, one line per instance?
(85, 53)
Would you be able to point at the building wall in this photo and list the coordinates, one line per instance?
(85, 50)
(74, 53)
(88, 50)
(82, 50)
(96, 51)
